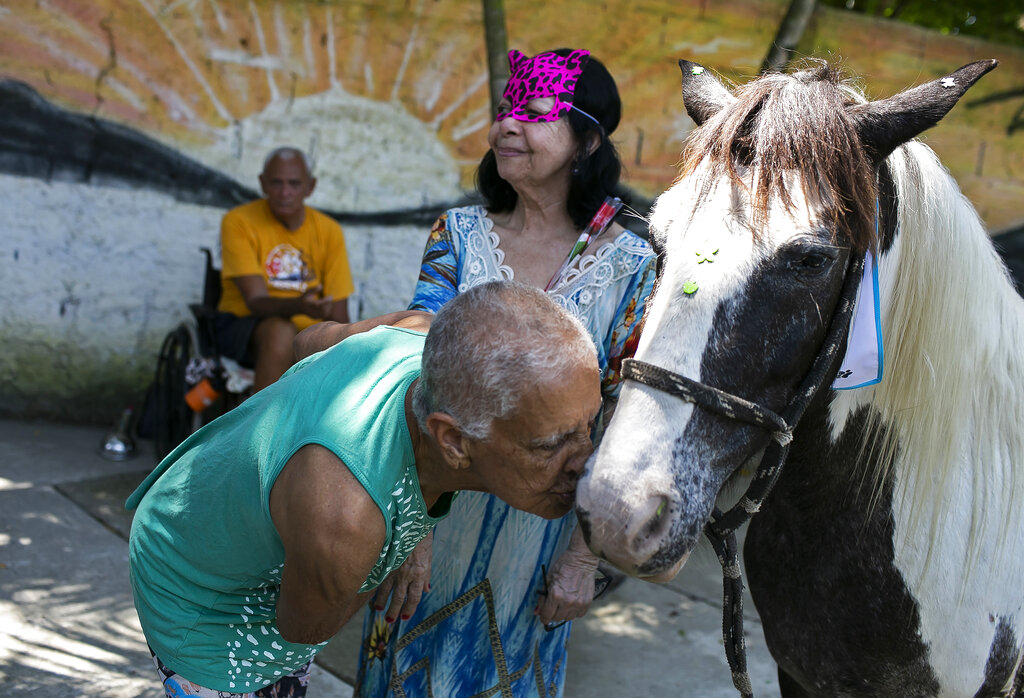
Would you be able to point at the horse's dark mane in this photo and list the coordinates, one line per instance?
(783, 125)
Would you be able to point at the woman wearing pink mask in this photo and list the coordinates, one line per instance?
(484, 605)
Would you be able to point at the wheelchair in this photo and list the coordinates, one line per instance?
(188, 356)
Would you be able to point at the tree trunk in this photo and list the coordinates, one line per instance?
(791, 29)
(496, 43)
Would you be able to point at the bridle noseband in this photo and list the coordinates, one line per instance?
(721, 528)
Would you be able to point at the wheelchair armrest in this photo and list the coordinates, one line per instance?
(202, 312)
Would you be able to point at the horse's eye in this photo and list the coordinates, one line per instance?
(810, 259)
(814, 261)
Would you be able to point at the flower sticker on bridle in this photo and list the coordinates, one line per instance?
(544, 75)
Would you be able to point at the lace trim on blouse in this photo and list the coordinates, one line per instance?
(582, 284)
(484, 259)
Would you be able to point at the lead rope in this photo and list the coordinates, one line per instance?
(721, 529)
(1017, 690)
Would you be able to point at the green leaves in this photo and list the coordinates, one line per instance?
(995, 20)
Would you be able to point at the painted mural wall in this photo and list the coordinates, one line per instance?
(127, 127)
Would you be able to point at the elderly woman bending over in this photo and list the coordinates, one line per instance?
(485, 607)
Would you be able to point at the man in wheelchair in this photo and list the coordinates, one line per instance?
(284, 267)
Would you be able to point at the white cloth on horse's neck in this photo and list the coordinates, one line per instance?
(864, 360)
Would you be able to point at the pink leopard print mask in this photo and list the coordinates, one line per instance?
(544, 75)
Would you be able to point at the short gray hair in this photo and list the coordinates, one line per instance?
(287, 152)
(487, 346)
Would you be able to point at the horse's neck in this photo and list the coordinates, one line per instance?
(952, 328)
(940, 438)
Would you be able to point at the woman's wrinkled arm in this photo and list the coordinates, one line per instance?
(324, 335)
(570, 583)
(406, 585)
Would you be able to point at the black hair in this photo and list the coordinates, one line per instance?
(595, 175)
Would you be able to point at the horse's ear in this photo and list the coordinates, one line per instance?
(703, 94)
(889, 123)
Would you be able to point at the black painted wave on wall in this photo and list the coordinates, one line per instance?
(40, 139)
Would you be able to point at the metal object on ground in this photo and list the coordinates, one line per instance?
(118, 445)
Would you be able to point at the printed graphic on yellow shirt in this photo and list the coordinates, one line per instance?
(288, 270)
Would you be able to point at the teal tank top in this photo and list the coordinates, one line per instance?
(205, 557)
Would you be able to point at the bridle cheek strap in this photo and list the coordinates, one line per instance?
(721, 528)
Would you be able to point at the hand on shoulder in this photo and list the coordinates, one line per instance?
(324, 335)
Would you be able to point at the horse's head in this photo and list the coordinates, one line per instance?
(778, 192)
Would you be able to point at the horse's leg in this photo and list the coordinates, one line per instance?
(789, 688)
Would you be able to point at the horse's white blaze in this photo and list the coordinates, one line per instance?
(639, 448)
(722, 274)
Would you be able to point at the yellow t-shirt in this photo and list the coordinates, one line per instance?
(253, 241)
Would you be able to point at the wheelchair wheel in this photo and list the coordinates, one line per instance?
(175, 420)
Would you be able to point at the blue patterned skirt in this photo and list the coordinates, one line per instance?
(474, 633)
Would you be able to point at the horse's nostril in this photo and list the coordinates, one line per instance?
(657, 525)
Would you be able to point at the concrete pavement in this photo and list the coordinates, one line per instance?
(68, 626)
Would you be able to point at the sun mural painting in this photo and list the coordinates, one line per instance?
(390, 102)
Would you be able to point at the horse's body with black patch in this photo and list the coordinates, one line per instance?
(888, 559)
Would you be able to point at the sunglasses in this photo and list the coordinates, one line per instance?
(601, 583)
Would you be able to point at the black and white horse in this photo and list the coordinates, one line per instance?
(888, 558)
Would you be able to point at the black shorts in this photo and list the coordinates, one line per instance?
(234, 337)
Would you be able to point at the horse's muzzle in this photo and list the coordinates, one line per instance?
(637, 539)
